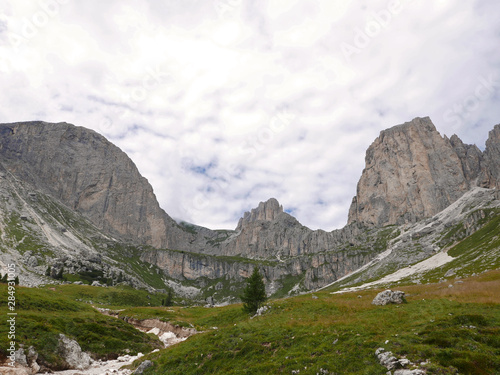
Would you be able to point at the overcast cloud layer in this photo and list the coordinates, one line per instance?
(225, 103)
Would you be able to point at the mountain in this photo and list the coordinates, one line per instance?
(72, 200)
(89, 175)
(412, 173)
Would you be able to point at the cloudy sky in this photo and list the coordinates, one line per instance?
(225, 103)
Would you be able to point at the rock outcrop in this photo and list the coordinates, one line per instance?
(268, 232)
(412, 173)
(266, 211)
(142, 367)
(79, 197)
(389, 297)
(281, 245)
(71, 352)
(90, 175)
(492, 159)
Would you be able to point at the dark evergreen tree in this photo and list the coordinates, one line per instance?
(59, 275)
(169, 299)
(254, 294)
(16, 280)
(4, 278)
(48, 272)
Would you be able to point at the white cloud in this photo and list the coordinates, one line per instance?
(225, 103)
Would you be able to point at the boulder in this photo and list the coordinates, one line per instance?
(14, 371)
(143, 366)
(72, 353)
(27, 361)
(388, 296)
(387, 359)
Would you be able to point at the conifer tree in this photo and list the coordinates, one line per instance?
(48, 272)
(168, 300)
(59, 275)
(254, 294)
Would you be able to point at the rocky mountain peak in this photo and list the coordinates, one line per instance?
(266, 211)
(421, 125)
(411, 172)
(88, 174)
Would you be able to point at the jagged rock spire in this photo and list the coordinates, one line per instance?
(266, 211)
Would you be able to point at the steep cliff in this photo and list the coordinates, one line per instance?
(412, 172)
(266, 232)
(73, 199)
(90, 175)
(492, 159)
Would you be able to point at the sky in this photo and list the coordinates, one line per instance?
(223, 104)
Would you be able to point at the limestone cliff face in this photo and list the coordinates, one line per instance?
(280, 246)
(88, 174)
(268, 232)
(313, 271)
(491, 177)
(266, 211)
(412, 172)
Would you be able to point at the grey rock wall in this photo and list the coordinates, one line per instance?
(412, 173)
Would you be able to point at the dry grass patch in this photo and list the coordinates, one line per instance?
(483, 289)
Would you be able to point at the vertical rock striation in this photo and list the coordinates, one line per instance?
(89, 174)
(492, 159)
(412, 172)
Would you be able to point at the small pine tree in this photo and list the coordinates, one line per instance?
(59, 275)
(16, 280)
(168, 300)
(48, 272)
(254, 294)
(4, 278)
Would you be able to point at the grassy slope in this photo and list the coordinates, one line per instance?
(44, 313)
(473, 254)
(455, 328)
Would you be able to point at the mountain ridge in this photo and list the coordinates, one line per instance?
(411, 173)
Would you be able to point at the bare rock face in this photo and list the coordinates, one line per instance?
(266, 211)
(492, 159)
(88, 174)
(267, 232)
(412, 172)
(471, 159)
